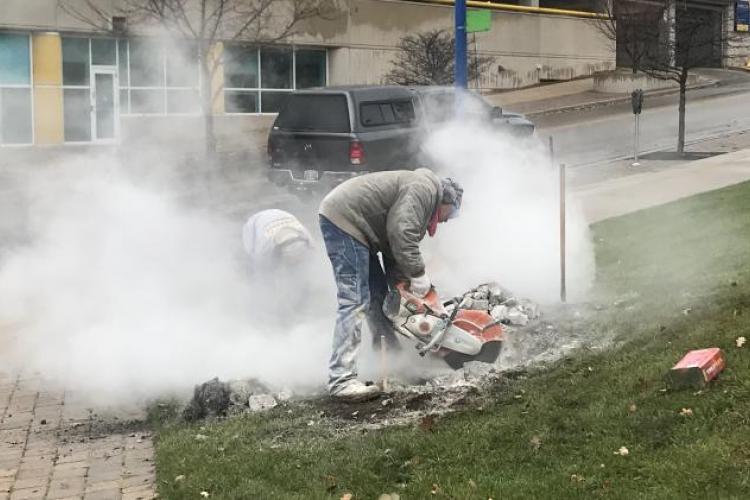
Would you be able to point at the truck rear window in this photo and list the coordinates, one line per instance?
(321, 113)
(373, 114)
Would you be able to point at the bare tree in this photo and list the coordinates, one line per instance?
(631, 28)
(205, 23)
(665, 39)
(428, 58)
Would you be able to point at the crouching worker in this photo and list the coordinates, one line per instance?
(278, 246)
(386, 213)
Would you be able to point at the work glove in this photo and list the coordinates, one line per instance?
(420, 285)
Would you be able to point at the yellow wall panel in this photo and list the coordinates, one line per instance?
(48, 115)
(47, 59)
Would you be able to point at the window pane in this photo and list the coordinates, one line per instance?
(146, 64)
(124, 102)
(122, 48)
(276, 68)
(183, 101)
(370, 114)
(240, 102)
(182, 66)
(272, 102)
(14, 60)
(103, 51)
(15, 116)
(75, 52)
(241, 67)
(325, 113)
(147, 101)
(311, 68)
(77, 115)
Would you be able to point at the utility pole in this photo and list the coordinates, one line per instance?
(461, 66)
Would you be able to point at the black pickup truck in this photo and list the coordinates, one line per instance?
(322, 137)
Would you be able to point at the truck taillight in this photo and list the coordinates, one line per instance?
(356, 153)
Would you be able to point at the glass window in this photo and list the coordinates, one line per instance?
(276, 68)
(122, 56)
(103, 51)
(77, 115)
(240, 67)
(124, 101)
(183, 101)
(386, 113)
(75, 53)
(310, 68)
(272, 102)
(324, 113)
(149, 101)
(15, 68)
(240, 102)
(182, 66)
(146, 64)
(15, 116)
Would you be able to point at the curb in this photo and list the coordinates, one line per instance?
(619, 100)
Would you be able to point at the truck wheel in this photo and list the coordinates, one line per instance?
(489, 354)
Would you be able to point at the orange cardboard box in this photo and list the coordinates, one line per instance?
(697, 368)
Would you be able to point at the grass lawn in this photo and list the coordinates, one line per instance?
(552, 433)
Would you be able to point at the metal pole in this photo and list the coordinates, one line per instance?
(636, 133)
(563, 291)
(460, 34)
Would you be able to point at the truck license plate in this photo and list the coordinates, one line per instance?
(311, 175)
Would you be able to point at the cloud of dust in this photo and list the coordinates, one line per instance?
(121, 291)
(508, 229)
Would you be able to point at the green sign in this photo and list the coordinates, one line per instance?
(478, 20)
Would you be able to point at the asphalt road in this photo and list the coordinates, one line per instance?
(593, 136)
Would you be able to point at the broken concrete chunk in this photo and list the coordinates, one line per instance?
(499, 313)
(517, 318)
(260, 402)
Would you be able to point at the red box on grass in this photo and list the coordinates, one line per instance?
(697, 368)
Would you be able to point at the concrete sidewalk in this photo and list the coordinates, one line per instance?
(623, 195)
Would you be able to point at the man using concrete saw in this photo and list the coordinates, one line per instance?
(386, 213)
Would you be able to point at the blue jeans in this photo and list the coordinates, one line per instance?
(362, 288)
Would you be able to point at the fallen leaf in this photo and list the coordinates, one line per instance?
(686, 412)
(205, 494)
(389, 496)
(632, 408)
(427, 423)
(330, 481)
(577, 478)
(740, 341)
(472, 484)
(435, 489)
(535, 442)
(200, 437)
(687, 311)
(623, 452)
(179, 478)
(347, 496)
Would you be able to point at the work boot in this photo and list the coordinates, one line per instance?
(355, 392)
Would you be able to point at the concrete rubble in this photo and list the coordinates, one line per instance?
(501, 304)
(215, 398)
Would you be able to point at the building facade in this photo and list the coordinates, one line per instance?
(64, 82)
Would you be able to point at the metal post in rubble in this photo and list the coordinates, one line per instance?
(563, 292)
(383, 365)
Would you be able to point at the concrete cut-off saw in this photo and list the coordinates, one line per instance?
(444, 329)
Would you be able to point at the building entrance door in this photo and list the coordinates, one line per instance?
(104, 105)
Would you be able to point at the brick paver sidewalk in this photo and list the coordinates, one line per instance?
(52, 447)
